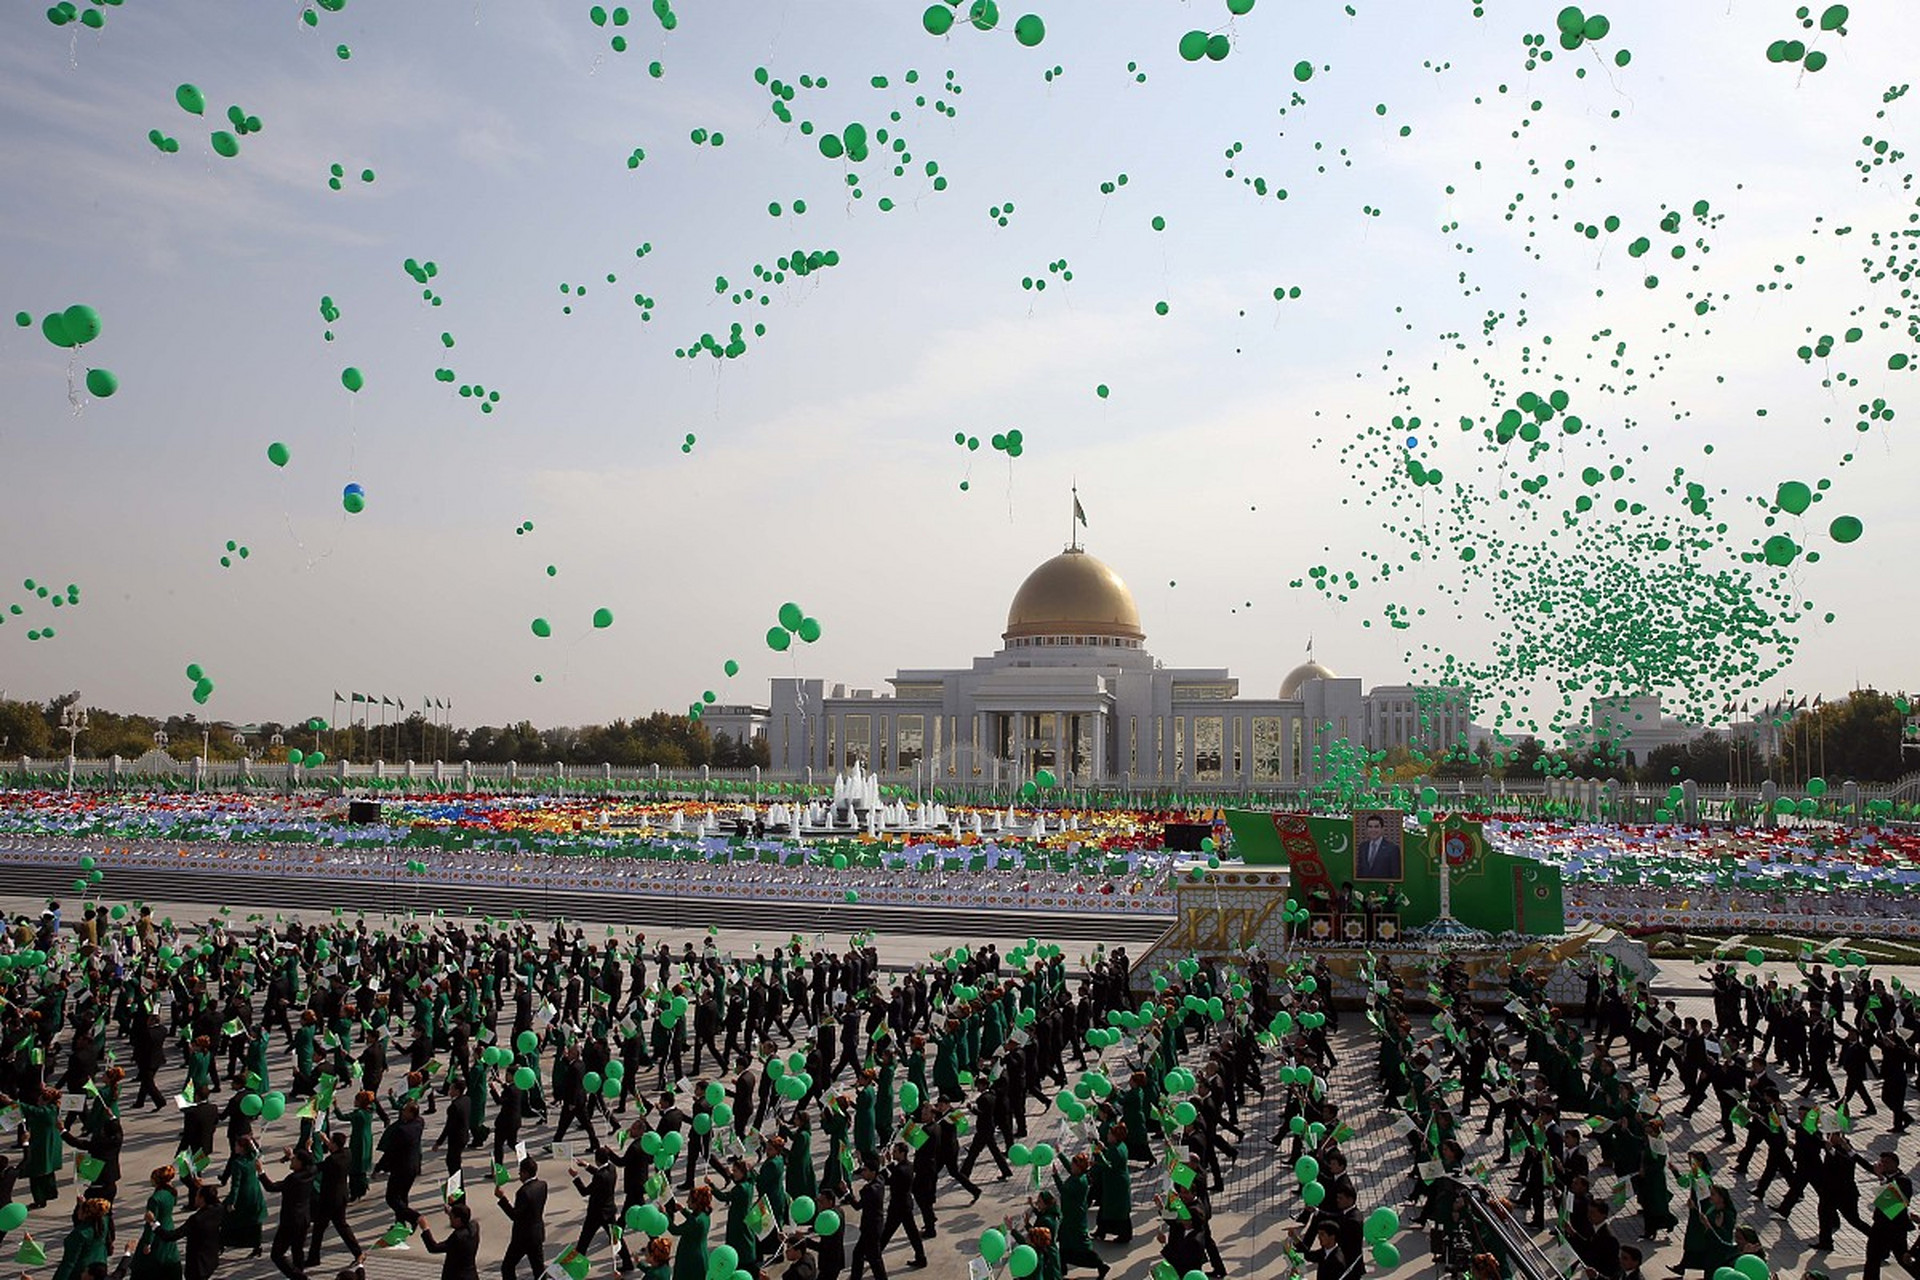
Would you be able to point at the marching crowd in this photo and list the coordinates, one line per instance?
(1608, 1115)
(712, 1115)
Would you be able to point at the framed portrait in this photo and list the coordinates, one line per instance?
(1379, 854)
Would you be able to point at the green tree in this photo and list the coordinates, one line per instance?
(1855, 738)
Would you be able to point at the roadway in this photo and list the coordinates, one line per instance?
(266, 891)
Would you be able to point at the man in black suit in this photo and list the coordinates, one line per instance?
(296, 1212)
(330, 1206)
(528, 1212)
(1378, 855)
(1892, 1220)
(598, 1186)
(459, 1125)
(900, 1204)
(872, 1202)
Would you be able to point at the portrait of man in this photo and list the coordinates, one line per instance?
(1376, 845)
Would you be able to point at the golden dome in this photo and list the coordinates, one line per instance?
(1074, 594)
(1309, 670)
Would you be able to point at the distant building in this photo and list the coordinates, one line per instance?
(1074, 690)
(1634, 725)
(744, 722)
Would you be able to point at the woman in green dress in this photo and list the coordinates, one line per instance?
(359, 1123)
(801, 1178)
(659, 1260)
(866, 1132)
(770, 1178)
(1709, 1242)
(739, 1236)
(200, 1077)
(1070, 1236)
(89, 1242)
(157, 1257)
(690, 1234)
(1650, 1181)
(1115, 1219)
(46, 1146)
(246, 1205)
(833, 1121)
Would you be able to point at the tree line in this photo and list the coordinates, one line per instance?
(670, 741)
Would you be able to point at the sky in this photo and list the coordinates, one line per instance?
(1433, 185)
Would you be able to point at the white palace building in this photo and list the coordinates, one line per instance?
(1073, 689)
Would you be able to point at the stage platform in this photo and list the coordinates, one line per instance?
(1234, 908)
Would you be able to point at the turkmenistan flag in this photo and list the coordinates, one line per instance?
(570, 1265)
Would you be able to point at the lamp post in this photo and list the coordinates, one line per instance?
(73, 718)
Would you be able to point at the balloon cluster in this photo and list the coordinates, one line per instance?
(1013, 443)
(353, 499)
(686, 445)
(54, 599)
(422, 273)
(337, 174)
(1833, 18)
(938, 20)
(60, 15)
(90, 874)
(793, 622)
(73, 328)
(233, 549)
(600, 17)
(1042, 780)
(202, 685)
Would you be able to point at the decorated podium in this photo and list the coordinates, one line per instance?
(1339, 887)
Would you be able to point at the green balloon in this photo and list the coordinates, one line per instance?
(828, 1223)
(82, 323)
(791, 616)
(102, 383)
(295, 755)
(525, 1078)
(53, 327)
(602, 618)
(191, 99)
(225, 143)
(1846, 529)
(938, 19)
(1030, 30)
(278, 454)
(1022, 1261)
(778, 639)
(1794, 497)
(731, 667)
(352, 379)
(542, 628)
(1193, 46)
(808, 630)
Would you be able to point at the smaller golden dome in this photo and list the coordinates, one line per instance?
(1309, 670)
(1074, 594)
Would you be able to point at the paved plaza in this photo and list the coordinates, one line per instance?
(1253, 1211)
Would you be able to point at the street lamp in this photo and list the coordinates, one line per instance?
(73, 718)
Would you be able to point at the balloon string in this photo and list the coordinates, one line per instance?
(74, 398)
